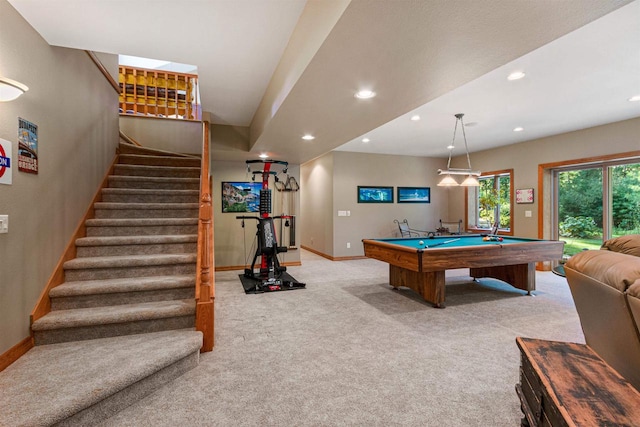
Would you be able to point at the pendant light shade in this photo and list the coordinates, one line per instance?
(448, 180)
(471, 181)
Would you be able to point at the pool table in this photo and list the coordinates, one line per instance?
(420, 263)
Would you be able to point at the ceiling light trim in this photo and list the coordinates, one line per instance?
(11, 89)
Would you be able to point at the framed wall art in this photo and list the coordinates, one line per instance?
(524, 195)
(414, 194)
(375, 194)
(241, 196)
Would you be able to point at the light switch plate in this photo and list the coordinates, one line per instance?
(4, 223)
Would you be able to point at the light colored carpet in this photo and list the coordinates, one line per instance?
(350, 351)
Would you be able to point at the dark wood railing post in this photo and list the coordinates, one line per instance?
(205, 286)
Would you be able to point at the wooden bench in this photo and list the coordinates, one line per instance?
(567, 384)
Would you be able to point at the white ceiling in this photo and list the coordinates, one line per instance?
(426, 57)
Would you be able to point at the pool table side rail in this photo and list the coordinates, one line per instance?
(492, 255)
(444, 258)
(401, 256)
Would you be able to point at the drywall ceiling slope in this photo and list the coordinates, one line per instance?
(580, 80)
(236, 45)
(409, 53)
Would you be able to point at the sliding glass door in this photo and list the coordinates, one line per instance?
(596, 202)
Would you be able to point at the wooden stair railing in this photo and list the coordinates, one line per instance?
(103, 70)
(205, 286)
(129, 140)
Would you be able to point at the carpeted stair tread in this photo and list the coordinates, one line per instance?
(137, 159)
(148, 191)
(145, 206)
(135, 240)
(156, 179)
(128, 261)
(157, 170)
(53, 382)
(105, 222)
(108, 315)
(108, 286)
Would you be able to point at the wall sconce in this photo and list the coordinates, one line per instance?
(11, 89)
(447, 180)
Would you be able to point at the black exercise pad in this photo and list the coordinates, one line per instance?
(256, 286)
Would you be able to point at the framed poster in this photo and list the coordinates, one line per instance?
(241, 196)
(414, 194)
(375, 194)
(27, 146)
(5, 161)
(524, 195)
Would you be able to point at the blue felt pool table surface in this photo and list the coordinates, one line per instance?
(454, 241)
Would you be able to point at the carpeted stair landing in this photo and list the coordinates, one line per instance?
(123, 321)
(84, 382)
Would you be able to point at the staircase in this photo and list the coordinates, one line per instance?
(126, 311)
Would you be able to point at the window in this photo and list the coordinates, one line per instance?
(595, 202)
(491, 202)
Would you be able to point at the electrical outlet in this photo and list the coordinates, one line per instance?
(348, 245)
(4, 223)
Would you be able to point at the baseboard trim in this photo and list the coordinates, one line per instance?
(242, 267)
(43, 306)
(332, 258)
(15, 352)
(348, 258)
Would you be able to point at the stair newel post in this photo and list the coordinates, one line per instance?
(204, 274)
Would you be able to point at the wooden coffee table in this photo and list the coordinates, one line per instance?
(567, 384)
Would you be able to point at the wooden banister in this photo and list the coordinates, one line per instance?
(129, 140)
(205, 286)
(103, 70)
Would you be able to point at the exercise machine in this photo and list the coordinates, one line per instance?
(270, 276)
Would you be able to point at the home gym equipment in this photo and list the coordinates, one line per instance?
(289, 188)
(271, 276)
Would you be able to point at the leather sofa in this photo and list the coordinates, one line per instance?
(605, 285)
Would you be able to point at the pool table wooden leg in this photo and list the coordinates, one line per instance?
(521, 276)
(430, 285)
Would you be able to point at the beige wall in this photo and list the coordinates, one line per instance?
(230, 239)
(525, 157)
(75, 109)
(329, 184)
(180, 136)
(316, 204)
(344, 174)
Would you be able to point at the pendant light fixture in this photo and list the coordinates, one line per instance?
(447, 180)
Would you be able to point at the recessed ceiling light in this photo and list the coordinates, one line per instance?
(415, 118)
(365, 140)
(518, 129)
(635, 98)
(263, 156)
(308, 137)
(365, 94)
(516, 75)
